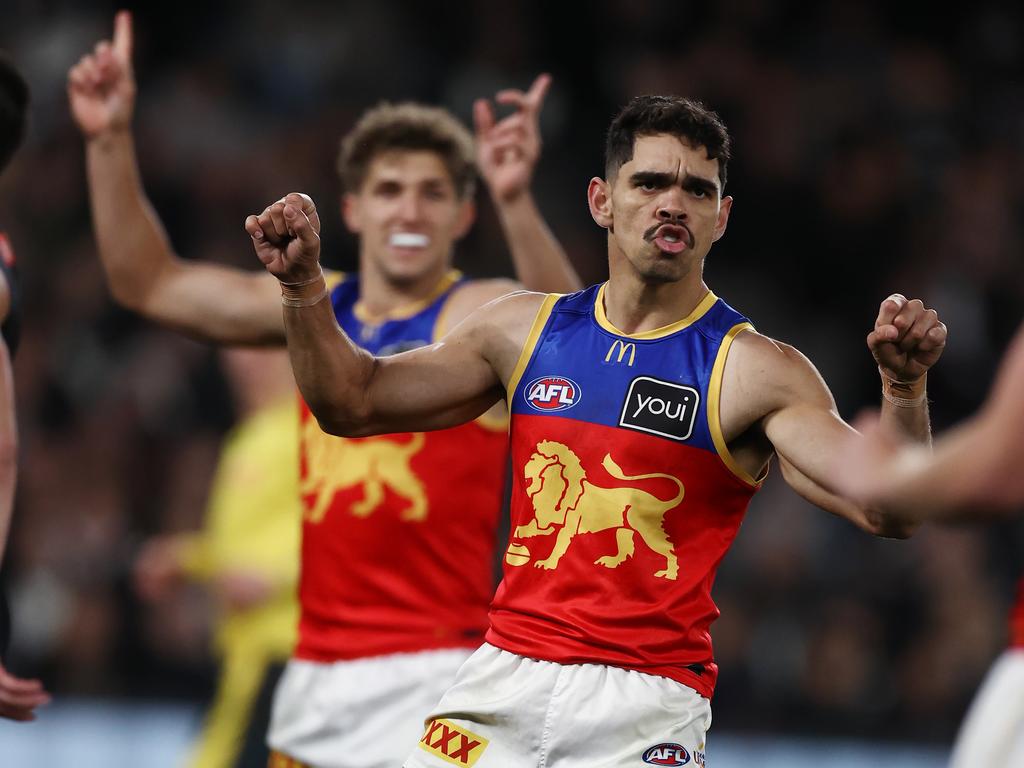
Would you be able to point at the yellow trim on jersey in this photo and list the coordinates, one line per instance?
(333, 278)
(496, 419)
(405, 311)
(539, 322)
(714, 408)
(698, 312)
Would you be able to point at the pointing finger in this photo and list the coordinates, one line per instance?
(123, 42)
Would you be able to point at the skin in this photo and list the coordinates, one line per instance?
(663, 210)
(403, 191)
(974, 472)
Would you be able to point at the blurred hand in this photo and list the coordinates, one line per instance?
(867, 467)
(507, 151)
(286, 237)
(158, 568)
(240, 590)
(908, 339)
(19, 698)
(101, 87)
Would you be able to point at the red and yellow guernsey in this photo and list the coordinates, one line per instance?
(1017, 618)
(398, 530)
(625, 497)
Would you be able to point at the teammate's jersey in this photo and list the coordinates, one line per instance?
(398, 530)
(625, 497)
(1017, 618)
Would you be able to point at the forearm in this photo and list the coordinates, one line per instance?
(541, 263)
(132, 244)
(332, 373)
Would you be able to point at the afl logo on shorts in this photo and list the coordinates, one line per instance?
(666, 754)
(552, 393)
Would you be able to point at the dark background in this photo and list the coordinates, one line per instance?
(878, 148)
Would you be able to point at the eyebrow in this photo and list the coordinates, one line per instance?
(663, 179)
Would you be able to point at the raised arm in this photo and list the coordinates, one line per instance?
(801, 421)
(507, 154)
(351, 392)
(210, 301)
(974, 470)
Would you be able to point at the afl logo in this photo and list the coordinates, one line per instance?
(666, 754)
(552, 393)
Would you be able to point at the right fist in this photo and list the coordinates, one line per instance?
(101, 86)
(286, 237)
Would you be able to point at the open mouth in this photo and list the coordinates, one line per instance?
(408, 240)
(670, 238)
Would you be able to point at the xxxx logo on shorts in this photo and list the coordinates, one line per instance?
(452, 743)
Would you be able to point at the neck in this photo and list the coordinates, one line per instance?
(635, 305)
(380, 294)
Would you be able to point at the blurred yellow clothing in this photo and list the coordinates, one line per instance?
(253, 524)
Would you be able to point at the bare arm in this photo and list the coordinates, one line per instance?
(210, 301)
(352, 393)
(975, 468)
(803, 425)
(507, 153)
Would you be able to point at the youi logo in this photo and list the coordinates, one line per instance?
(666, 754)
(552, 393)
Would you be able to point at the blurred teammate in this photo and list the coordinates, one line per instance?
(974, 471)
(18, 698)
(644, 415)
(247, 554)
(398, 531)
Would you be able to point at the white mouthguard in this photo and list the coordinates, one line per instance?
(409, 240)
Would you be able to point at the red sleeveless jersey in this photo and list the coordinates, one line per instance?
(625, 497)
(399, 530)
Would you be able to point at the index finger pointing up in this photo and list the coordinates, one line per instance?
(123, 36)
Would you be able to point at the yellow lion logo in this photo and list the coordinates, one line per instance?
(565, 501)
(334, 463)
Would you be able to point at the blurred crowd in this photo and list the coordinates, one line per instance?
(877, 149)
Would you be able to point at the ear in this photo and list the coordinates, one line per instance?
(352, 213)
(599, 197)
(723, 218)
(466, 217)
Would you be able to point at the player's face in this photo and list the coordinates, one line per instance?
(407, 214)
(664, 209)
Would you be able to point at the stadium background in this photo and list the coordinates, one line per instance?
(878, 148)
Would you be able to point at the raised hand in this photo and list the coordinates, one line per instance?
(101, 86)
(907, 339)
(507, 150)
(286, 237)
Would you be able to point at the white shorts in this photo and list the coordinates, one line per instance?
(507, 711)
(992, 735)
(366, 713)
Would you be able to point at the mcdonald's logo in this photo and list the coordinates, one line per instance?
(622, 347)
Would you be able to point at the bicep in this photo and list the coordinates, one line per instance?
(217, 303)
(434, 387)
(807, 433)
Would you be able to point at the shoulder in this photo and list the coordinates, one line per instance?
(773, 372)
(473, 294)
